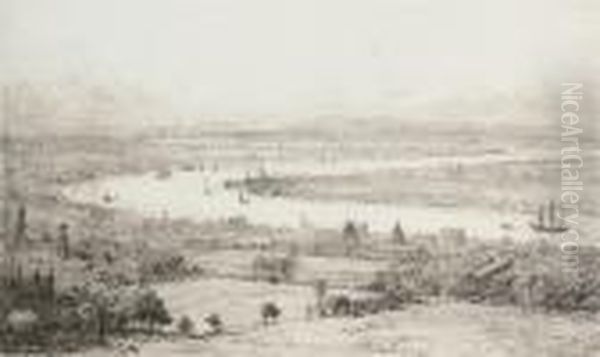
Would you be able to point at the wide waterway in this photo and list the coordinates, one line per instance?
(200, 195)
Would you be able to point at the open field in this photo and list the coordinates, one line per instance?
(340, 271)
(238, 302)
(440, 330)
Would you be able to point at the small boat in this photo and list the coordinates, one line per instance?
(108, 198)
(546, 222)
(242, 198)
(163, 174)
(187, 168)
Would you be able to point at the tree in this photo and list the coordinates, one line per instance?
(350, 237)
(63, 241)
(270, 312)
(95, 307)
(21, 227)
(215, 322)
(185, 325)
(398, 235)
(151, 310)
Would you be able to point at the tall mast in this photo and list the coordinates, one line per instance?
(551, 213)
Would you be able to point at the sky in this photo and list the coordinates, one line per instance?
(298, 58)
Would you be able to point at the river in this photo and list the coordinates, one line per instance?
(200, 195)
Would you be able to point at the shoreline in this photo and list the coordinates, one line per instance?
(160, 197)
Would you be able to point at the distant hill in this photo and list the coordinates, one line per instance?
(73, 107)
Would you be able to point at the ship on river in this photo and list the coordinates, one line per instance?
(547, 222)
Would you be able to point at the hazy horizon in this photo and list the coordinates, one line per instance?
(270, 60)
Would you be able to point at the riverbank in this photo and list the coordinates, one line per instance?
(199, 197)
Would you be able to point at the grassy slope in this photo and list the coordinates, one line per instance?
(446, 330)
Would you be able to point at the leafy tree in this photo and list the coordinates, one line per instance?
(398, 235)
(270, 312)
(185, 325)
(21, 226)
(151, 310)
(350, 237)
(215, 322)
(64, 241)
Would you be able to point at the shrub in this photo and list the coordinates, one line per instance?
(215, 322)
(185, 325)
(270, 312)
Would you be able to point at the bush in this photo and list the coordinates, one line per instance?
(185, 325)
(215, 322)
(270, 312)
(535, 279)
(150, 310)
(82, 316)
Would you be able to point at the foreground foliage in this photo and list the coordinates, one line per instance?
(83, 315)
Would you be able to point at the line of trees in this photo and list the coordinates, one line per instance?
(84, 315)
(352, 235)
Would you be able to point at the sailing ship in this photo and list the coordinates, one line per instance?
(546, 221)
